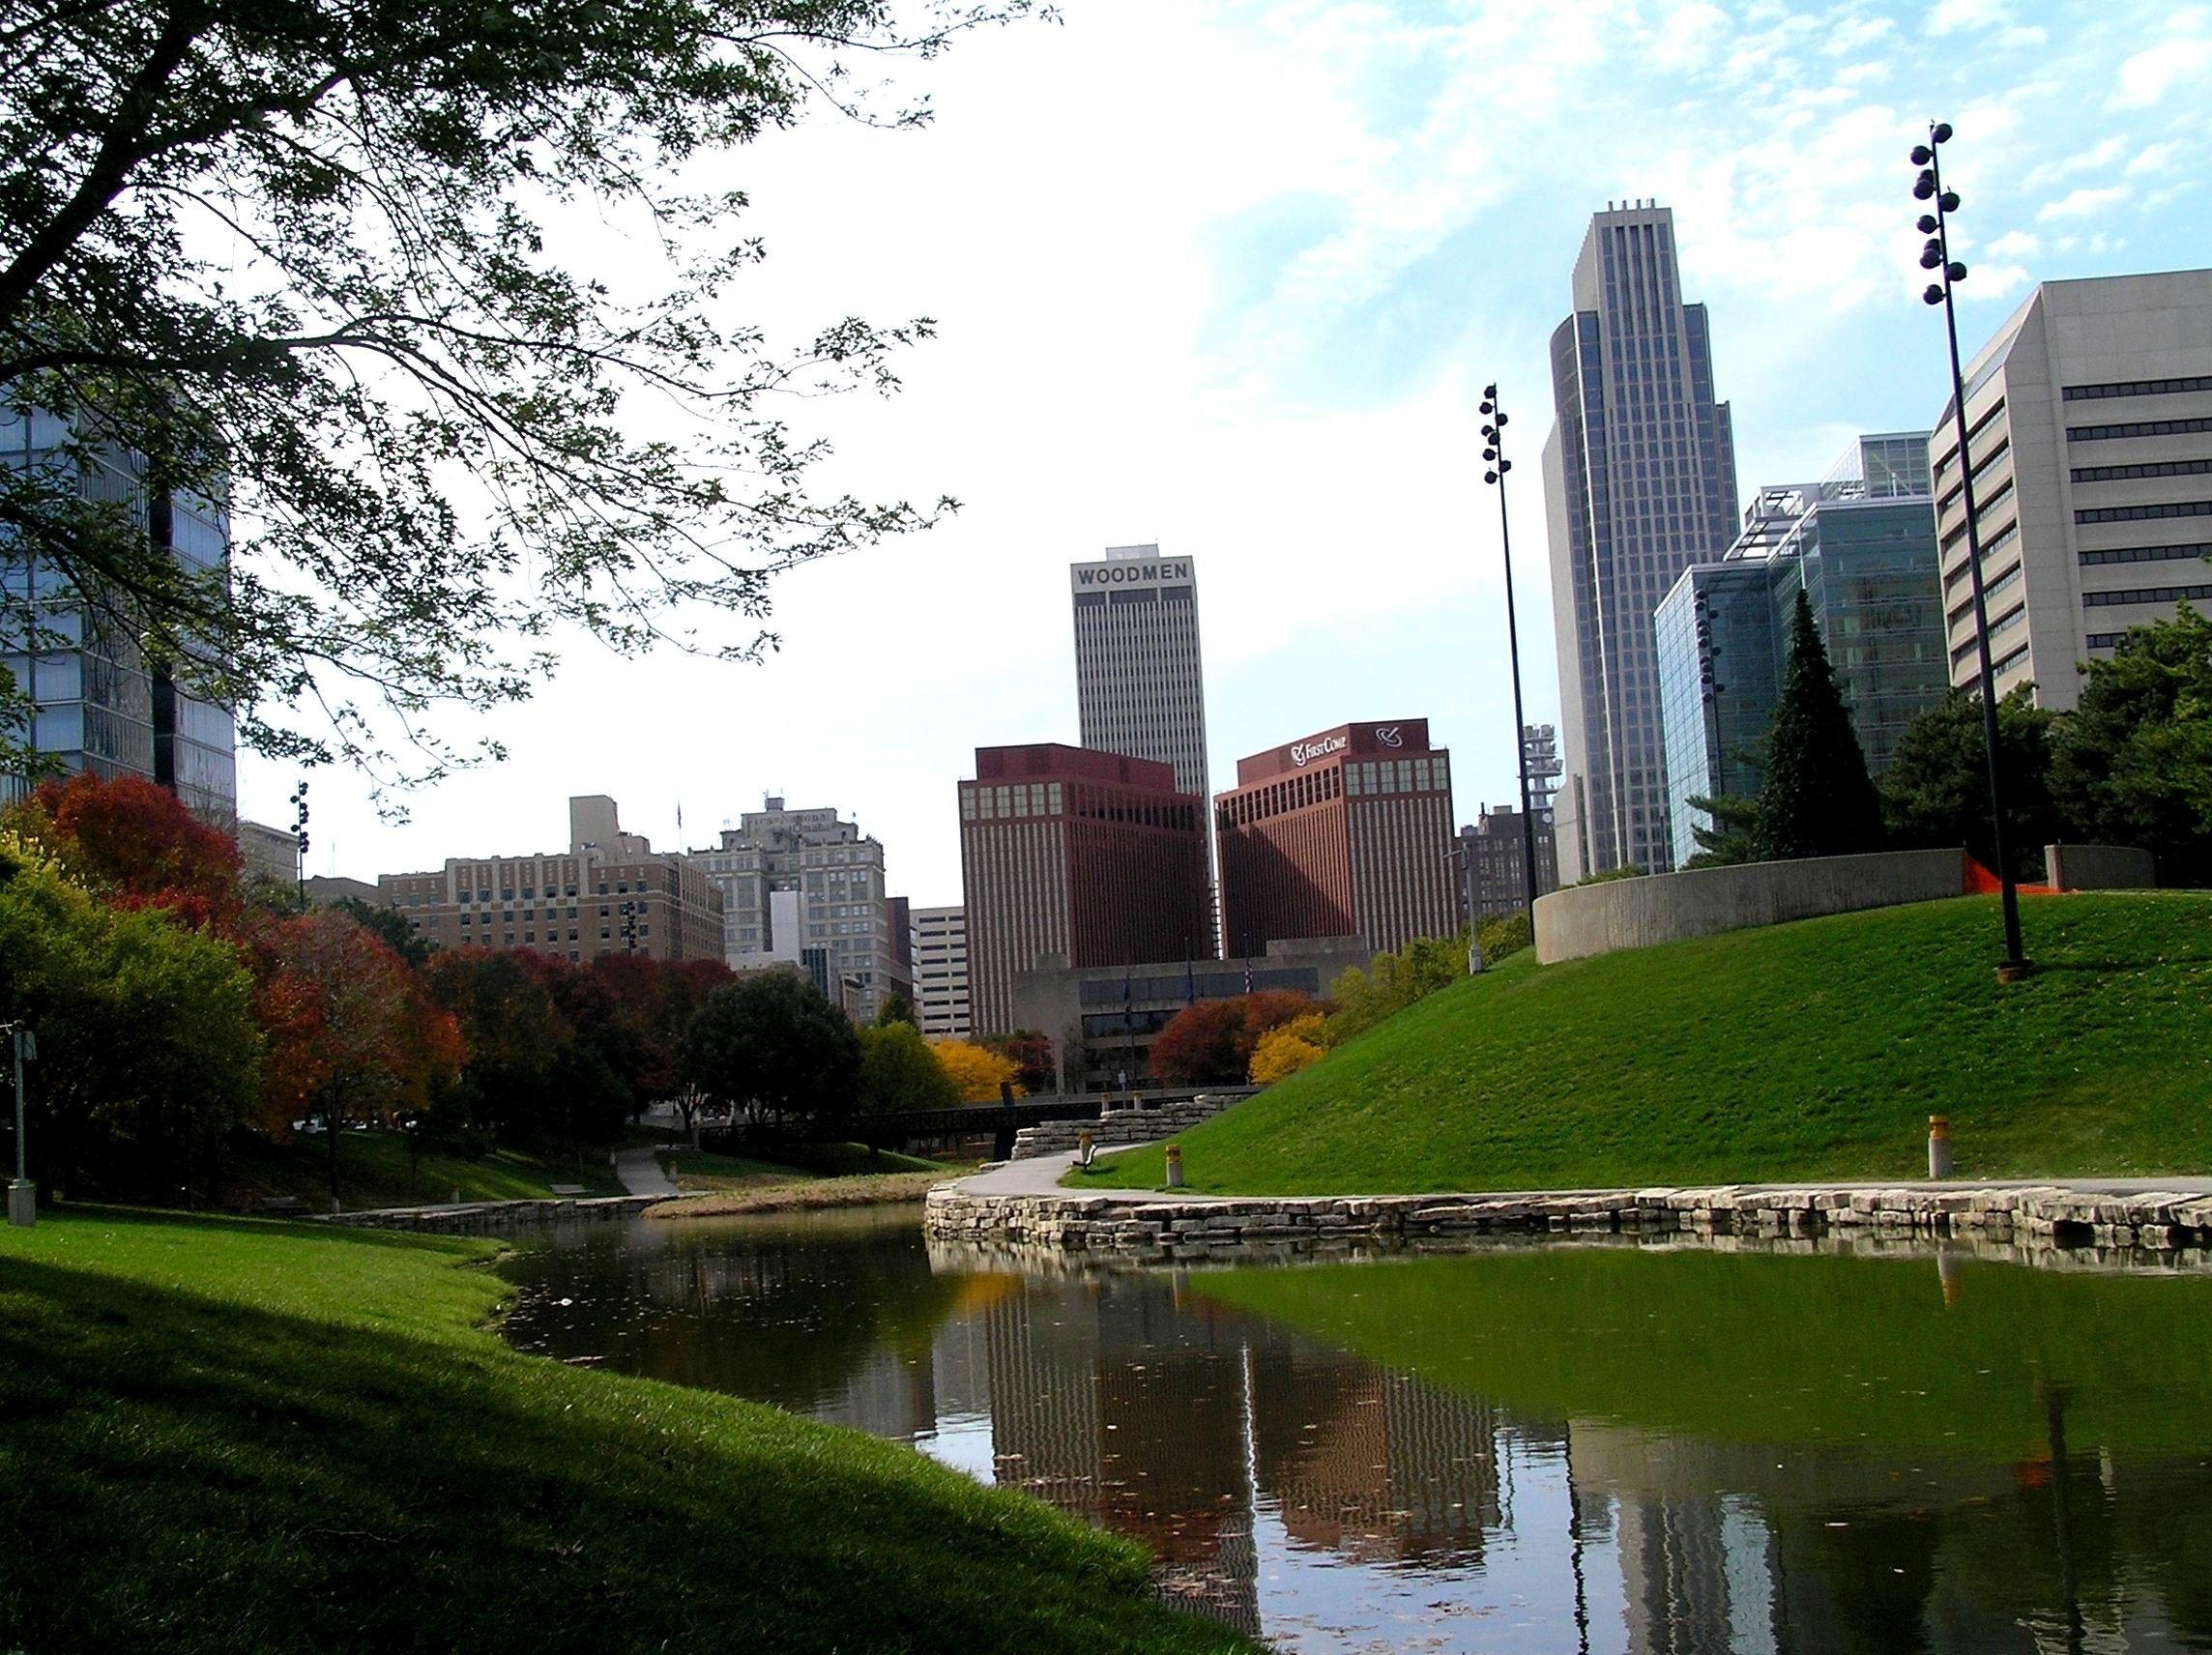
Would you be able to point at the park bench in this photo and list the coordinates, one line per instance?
(282, 1203)
(566, 1189)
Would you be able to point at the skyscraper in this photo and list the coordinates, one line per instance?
(1639, 484)
(1138, 686)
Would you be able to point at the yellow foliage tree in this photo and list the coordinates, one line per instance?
(1287, 1049)
(976, 1071)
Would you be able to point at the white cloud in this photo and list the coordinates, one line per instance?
(2150, 75)
(1952, 16)
(2015, 244)
(2155, 158)
(2081, 202)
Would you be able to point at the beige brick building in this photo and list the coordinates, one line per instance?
(610, 892)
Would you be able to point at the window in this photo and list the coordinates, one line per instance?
(2192, 549)
(2148, 468)
(2147, 594)
(2144, 514)
(2137, 428)
(2137, 388)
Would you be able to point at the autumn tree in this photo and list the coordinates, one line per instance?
(1286, 1049)
(135, 843)
(976, 1071)
(148, 1047)
(1035, 1064)
(344, 268)
(1211, 1042)
(898, 1071)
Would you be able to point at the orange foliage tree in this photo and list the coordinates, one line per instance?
(1210, 1043)
(977, 1071)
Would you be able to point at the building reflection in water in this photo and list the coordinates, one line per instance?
(1314, 1497)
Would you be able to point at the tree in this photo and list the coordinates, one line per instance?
(1036, 1067)
(771, 1043)
(513, 1036)
(147, 1049)
(1935, 794)
(897, 1009)
(976, 1072)
(1814, 796)
(305, 259)
(1284, 1051)
(135, 843)
(1211, 1042)
(898, 1071)
(2132, 763)
(389, 926)
(1730, 835)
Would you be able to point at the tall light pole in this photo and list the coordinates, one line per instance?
(1494, 450)
(300, 840)
(22, 1194)
(1937, 256)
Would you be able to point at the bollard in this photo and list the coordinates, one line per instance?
(1947, 1277)
(22, 1203)
(1939, 1145)
(1175, 1166)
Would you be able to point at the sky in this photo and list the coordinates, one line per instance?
(1230, 278)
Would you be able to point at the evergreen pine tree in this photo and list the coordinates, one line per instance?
(1816, 798)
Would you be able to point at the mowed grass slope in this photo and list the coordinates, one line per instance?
(240, 1435)
(1815, 1050)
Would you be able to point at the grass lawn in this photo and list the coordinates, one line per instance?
(704, 1170)
(1808, 1051)
(374, 1171)
(228, 1434)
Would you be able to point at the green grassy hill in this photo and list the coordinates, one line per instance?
(1808, 1051)
(235, 1436)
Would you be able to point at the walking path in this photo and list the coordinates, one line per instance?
(640, 1173)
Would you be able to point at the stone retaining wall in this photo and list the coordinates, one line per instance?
(494, 1217)
(1165, 1231)
(1119, 1126)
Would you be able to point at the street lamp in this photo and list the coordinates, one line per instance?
(22, 1194)
(1493, 452)
(1935, 256)
(299, 839)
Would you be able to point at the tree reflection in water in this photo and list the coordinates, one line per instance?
(1673, 1452)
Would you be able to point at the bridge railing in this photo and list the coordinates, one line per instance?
(996, 1120)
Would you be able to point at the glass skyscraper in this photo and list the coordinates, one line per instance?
(1861, 546)
(1639, 484)
(99, 707)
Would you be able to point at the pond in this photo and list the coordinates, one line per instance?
(1543, 1449)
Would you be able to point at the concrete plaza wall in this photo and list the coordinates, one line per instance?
(1583, 921)
(2099, 867)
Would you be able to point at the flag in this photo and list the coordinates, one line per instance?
(1189, 984)
(1247, 976)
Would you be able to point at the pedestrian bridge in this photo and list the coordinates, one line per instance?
(999, 1121)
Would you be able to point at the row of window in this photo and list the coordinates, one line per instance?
(2147, 594)
(1945, 461)
(1996, 543)
(2137, 388)
(2137, 428)
(2147, 468)
(2144, 514)
(2004, 583)
(2148, 554)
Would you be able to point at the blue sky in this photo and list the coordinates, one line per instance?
(1229, 277)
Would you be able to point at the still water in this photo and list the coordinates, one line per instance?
(1613, 1448)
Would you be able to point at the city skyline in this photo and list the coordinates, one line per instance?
(1287, 389)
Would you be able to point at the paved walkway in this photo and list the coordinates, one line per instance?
(640, 1173)
(1043, 1175)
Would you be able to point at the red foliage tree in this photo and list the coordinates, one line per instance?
(136, 844)
(1210, 1043)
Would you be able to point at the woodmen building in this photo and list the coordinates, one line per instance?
(1088, 856)
(1343, 833)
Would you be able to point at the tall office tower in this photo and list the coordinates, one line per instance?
(803, 888)
(1346, 833)
(1138, 685)
(100, 708)
(1540, 757)
(1494, 859)
(1639, 484)
(2089, 417)
(1089, 858)
(941, 970)
(1861, 546)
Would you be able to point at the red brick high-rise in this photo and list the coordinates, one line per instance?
(1088, 855)
(1343, 833)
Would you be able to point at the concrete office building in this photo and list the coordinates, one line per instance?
(1094, 858)
(99, 707)
(941, 995)
(1861, 546)
(1346, 833)
(266, 853)
(1139, 689)
(803, 888)
(610, 892)
(1639, 484)
(1496, 857)
(2090, 420)
(1103, 1019)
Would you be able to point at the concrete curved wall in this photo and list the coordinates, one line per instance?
(1583, 921)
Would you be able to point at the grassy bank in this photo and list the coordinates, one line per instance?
(703, 1170)
(237, 1435)
(376, 1170)
(807, 1195)
(1808, 1051)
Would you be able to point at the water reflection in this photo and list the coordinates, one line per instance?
(1570, 1450)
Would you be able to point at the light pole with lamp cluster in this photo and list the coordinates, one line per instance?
(1935, 256)
(1493, 452)
(22, 1194)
